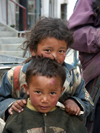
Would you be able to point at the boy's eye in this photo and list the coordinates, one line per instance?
(38, 92)
(52, 93)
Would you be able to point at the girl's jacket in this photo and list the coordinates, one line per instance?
(74, 89)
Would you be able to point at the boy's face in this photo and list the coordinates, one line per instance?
(44, 92)
(52, 48)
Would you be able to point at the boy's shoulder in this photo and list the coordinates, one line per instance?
(16, 117)
(72, 123)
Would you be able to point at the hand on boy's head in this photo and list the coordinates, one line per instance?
(71, 107)
(17, 106)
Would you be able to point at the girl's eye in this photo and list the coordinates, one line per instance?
(61, 51)
(47, 50)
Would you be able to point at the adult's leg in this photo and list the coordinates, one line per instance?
(93, 87)
(96, 126)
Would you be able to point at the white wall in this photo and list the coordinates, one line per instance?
(45, 8)
(57, 7)
(71, 4)
(3, 11)
(11, 13)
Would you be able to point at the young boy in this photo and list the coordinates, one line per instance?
(45, 79)
(50, 38)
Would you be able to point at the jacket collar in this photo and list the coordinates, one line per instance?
(30, 106)
(25, 67)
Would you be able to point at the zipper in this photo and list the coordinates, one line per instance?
(44, 128)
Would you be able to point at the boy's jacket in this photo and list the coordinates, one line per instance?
(32, 121)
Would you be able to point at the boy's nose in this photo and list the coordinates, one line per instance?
(44, 99)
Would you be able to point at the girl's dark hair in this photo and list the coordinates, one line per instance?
(46, 67)
(47, 27)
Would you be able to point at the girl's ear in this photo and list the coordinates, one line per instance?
(32, 52)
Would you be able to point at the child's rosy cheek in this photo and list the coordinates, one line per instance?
(43, 55)
(64, 54)
(63, 57)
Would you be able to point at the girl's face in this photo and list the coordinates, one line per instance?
(52, 48)
(44, 92)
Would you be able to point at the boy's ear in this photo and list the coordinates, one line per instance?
(32, 52)
(26, 88)
(63, 88)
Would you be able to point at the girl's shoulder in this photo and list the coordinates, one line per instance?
(71, 72)
(67, 66)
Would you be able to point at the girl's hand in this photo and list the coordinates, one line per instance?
(71, 107)
(17, 106)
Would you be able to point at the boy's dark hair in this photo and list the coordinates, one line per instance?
(47, 27)
(46, 67)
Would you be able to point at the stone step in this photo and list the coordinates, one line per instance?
(12, 53)
(10, 59)
(1, 24)
(4, 28)
(11, 40)
(7, 27)
(10, 47)
(7, 34)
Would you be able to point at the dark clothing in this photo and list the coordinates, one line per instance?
(96, 128)
(93, 86)
(85, 24)
(56, 121)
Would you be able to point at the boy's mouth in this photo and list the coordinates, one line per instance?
(44, 107)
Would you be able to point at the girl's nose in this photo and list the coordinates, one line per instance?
(54, 56)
